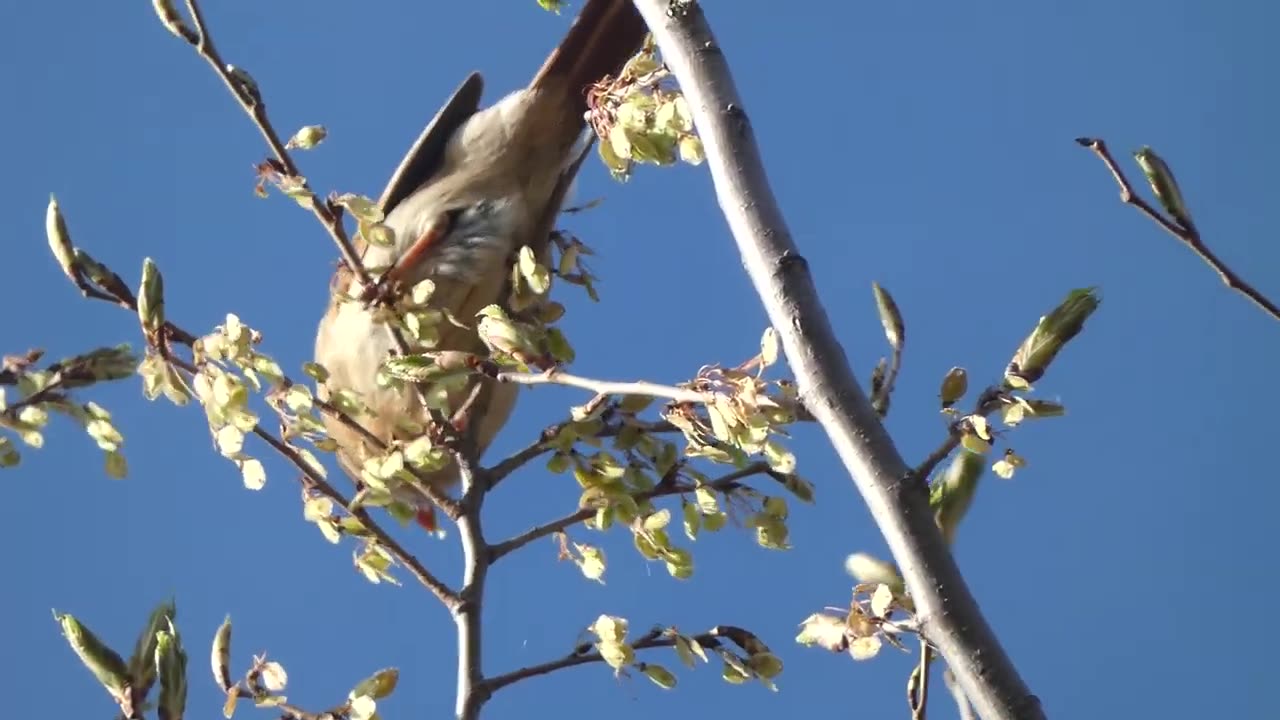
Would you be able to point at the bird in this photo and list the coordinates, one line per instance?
(476, 187)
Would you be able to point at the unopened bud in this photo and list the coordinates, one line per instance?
(307, 137)
(890, 317)
(1052, 333)
(954, 385)
(1165, 187)
(151, 297)
(55, 227)
(108, 667)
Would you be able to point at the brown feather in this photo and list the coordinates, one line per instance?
(518, 151)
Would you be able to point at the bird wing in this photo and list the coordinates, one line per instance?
(425, 157)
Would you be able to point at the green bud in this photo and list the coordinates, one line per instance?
(220, 655)
(245, 83)
(360, 207)
(307, 137)
(954, 385)
(660, 676)
(1052, 333)
(951, 495)
(377, 686)
(890, 317)
(151, 297)
(55, 228)
(536, 275)
(503, 335)
(171, 663)
(430, 367)
(142, 667)
(1165, 187)
(107, 666)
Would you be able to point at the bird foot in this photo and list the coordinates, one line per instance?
(380, 292)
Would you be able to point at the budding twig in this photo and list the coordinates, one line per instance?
(1188, 234)
(118, 294)
(605, 387)
(726, 482)
(634, 387)
(780, 275)
(248, 95)
(443, 592)
(585, 653)
(986, 404)
(538, 447)
(918, 700)
(250, 99)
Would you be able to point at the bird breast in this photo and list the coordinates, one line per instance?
(492, 189)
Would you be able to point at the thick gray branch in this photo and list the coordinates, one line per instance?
(949, 615)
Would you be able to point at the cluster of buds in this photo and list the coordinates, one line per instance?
(638, 118)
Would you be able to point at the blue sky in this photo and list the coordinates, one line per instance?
(926, 146)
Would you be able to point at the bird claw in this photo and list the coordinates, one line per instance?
(380, 292)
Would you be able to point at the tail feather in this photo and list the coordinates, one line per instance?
(601, 40)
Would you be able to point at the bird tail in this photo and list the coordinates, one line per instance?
(601, 40)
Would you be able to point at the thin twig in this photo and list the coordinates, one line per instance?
(606, 387)
(586, 653)
(513, 462)
(920, 701)
(957, 693)
(950, 616)
(986, 403)
(119, 294)
(316, 481)
(883, 395)
(177, 333)
(419, 571)
(468, 616)
(1190, 236)
(643, 388)
(48, 393)
(535, 449)
(250, 99)
(287, 711)
(252, 103)
(725, 482)
(930, 463)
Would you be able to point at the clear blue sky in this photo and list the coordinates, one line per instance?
(926, 146)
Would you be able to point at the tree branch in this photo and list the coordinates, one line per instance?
(725, 482)
(986, 404)
(500, 470)
(1190, 236)
(606, 387)
(314, 480)
(950, 617)
(251, 101)
(117, 293)
(468, 617)
(957, 694)
(287, 711)
(585, 653)
(249, 97)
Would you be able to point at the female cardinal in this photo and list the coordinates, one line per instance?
(476, 187)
